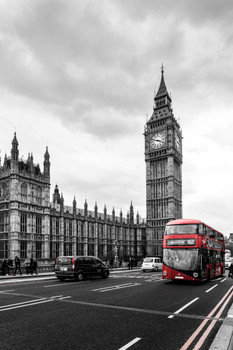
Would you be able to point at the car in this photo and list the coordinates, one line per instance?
(228, 262)
(151, 264)
(80, 267)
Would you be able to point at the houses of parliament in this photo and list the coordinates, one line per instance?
(33, 225)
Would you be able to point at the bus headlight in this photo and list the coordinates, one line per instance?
(165, 273)
(195, 274)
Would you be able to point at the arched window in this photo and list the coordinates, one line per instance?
(23, 192)
(38, 195)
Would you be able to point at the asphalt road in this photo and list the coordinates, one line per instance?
(129, 310)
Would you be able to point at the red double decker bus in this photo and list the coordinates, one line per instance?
(192, 251)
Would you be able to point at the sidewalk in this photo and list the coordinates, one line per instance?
(52, 273)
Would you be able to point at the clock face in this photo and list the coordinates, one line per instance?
(158, 140)
(177, 142)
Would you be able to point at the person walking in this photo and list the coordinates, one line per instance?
(34, 267)
(231, 271)
(4, 267)
(111, 263)
(17, 266)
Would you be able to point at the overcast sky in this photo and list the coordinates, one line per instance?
(79, 77)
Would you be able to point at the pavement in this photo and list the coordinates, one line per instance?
(222, 341)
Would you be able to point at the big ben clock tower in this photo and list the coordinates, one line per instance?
(163, 156)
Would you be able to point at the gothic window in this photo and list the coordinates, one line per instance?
(23, 249)
(51, 226)
(70, 228)
(4, 190)
(24, 192)
(32, 194)
(23, 223)
(38, 250)
(38, 224)
(2, 224)
(3, 249)
(65, 230)
(82, 229)
(57, 226)
(100, 231)
(38, 195)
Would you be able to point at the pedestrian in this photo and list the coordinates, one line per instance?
(27, 265)
(17, 266)
(10, 267)
(31, 265)
(34, 267)
(4, 267)
(231, 271)
(120, 263)
(107, 263)
(111, 263)
(130, 264)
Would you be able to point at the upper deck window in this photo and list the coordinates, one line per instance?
(181, 229)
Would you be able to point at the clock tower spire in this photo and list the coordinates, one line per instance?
(163, 156)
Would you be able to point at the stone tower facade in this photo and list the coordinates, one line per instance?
(163, 156)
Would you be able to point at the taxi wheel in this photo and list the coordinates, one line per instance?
(105, 274)
(79, 277)
(61, 279)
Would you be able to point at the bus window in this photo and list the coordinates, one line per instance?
(181, 229)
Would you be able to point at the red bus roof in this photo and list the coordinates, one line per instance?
(184, 221)
(189, 221)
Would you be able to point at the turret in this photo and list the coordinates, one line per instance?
(56, 195)
(47, 164)
(14, 154)
(105, 212)
(96, 210)
(85, 208)
(131, 214)
(74, 207)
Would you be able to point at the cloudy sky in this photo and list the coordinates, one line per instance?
(79, 77)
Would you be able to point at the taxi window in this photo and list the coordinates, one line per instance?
(148, 260)
(64, 260)
(87, 260)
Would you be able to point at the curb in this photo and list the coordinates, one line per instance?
(224, 338)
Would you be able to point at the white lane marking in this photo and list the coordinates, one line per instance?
(64, 297)
(207, 291)
(7, 290)
(23, 302)
(25, 305)
(224, 280)
(115, 286)
(56, 296)
(184, 307)
(120, 287)
(64, 284)
(130, 344)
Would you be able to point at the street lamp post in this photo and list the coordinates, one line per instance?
(116, 256)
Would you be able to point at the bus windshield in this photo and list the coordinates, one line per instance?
(181, 259)
(181, 229)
